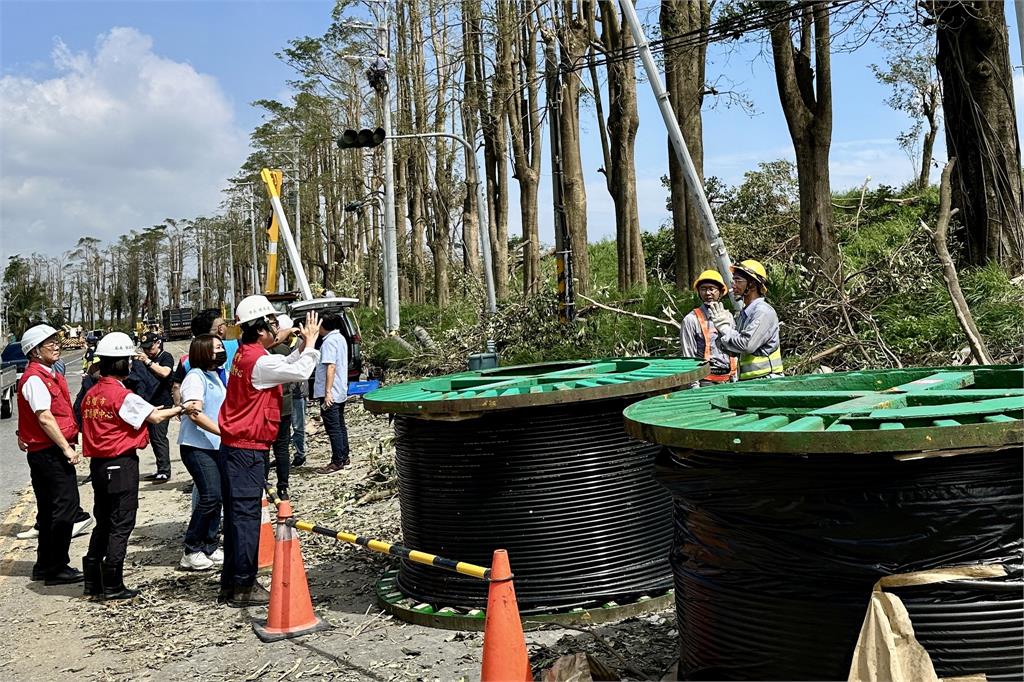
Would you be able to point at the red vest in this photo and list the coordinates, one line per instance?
(60, 407)
(249, 418)
(104, 433)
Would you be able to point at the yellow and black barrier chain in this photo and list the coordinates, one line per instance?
(382, 547)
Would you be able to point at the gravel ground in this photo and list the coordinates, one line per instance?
(175, 630)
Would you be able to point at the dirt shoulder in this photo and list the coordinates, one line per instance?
(175, 630)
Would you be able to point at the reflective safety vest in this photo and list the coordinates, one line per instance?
(706, 328)
(757, 366)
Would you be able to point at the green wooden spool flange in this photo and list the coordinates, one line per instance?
(897, 411)
(469, 394)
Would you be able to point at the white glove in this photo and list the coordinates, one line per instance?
(721, 318)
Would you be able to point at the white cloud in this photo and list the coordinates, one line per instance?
(120, 139)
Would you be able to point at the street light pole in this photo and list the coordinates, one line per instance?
(231, 271)
(252, 235)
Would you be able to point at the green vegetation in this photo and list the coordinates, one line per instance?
(892, 305)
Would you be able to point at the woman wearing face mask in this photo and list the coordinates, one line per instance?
(199, 442)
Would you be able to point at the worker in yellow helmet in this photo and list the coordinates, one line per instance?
(697, 334)
(754, 335)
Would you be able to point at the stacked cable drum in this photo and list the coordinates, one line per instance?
(535, 460)
(795, 497)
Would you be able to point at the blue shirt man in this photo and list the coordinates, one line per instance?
(330, 386)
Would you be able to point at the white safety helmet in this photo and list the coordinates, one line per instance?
(284, 322)
(115, 345)
(34, 336)
(253, 308)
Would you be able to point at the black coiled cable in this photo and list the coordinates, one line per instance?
(775, 557)
(562, 488)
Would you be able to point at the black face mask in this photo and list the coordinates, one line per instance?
(219, 358)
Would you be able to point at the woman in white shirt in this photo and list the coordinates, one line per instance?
(199, 441)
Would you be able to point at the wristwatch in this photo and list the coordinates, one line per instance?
(149, 363)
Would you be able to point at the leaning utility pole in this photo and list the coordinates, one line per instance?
(675, 136)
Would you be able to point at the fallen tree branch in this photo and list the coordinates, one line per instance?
(956, 294)
(641, 316)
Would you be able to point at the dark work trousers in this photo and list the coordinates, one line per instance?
(337, 432)
(56, 490)
(203, 527)
(241, 484)
(161, 448)
(281, 454)
(115, 487)
(299, 427)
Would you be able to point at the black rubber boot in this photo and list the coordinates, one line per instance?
(113, 583)
(93, 577)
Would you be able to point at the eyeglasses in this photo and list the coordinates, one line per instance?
(50, 344)
(272, 320)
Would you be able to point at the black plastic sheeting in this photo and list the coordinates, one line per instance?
(563, 488)
(775, 557)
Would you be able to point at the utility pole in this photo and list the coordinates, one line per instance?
(390, 228)
(298, 223)
(675, 136)
(563, 244)
(252, 235)
(390, 259)
(231, 270)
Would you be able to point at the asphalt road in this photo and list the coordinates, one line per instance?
(14, 475)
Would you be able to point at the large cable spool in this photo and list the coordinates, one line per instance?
(793, 497)
(534, 459)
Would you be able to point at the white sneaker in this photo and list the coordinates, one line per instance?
(217, 557)
(29, 534)
(81, 527)
(196, 561)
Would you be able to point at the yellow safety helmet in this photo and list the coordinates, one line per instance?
(753, 270)
(709, 276)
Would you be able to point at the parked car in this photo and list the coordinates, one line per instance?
(291, 304)
(12, 364)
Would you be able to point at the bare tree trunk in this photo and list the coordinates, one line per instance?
(373, 279)
(806, 95)
(623, 122)
(471, 107)
(939, 235)
(572, 35)
(684, 81)
(931, 112)
(981, 128)
(517, 36)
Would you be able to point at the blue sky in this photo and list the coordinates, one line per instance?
(130, 112)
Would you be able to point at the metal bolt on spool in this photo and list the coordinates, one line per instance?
(795, 496)
(534, 459)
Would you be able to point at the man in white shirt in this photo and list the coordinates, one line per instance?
(330, 386)
(47, 427)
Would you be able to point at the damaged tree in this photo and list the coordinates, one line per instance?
(981, 128)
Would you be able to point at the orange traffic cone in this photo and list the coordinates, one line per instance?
(505, 656)
(291, 610)
(265, 559)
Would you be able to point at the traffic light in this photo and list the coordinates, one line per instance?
(354, 139)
